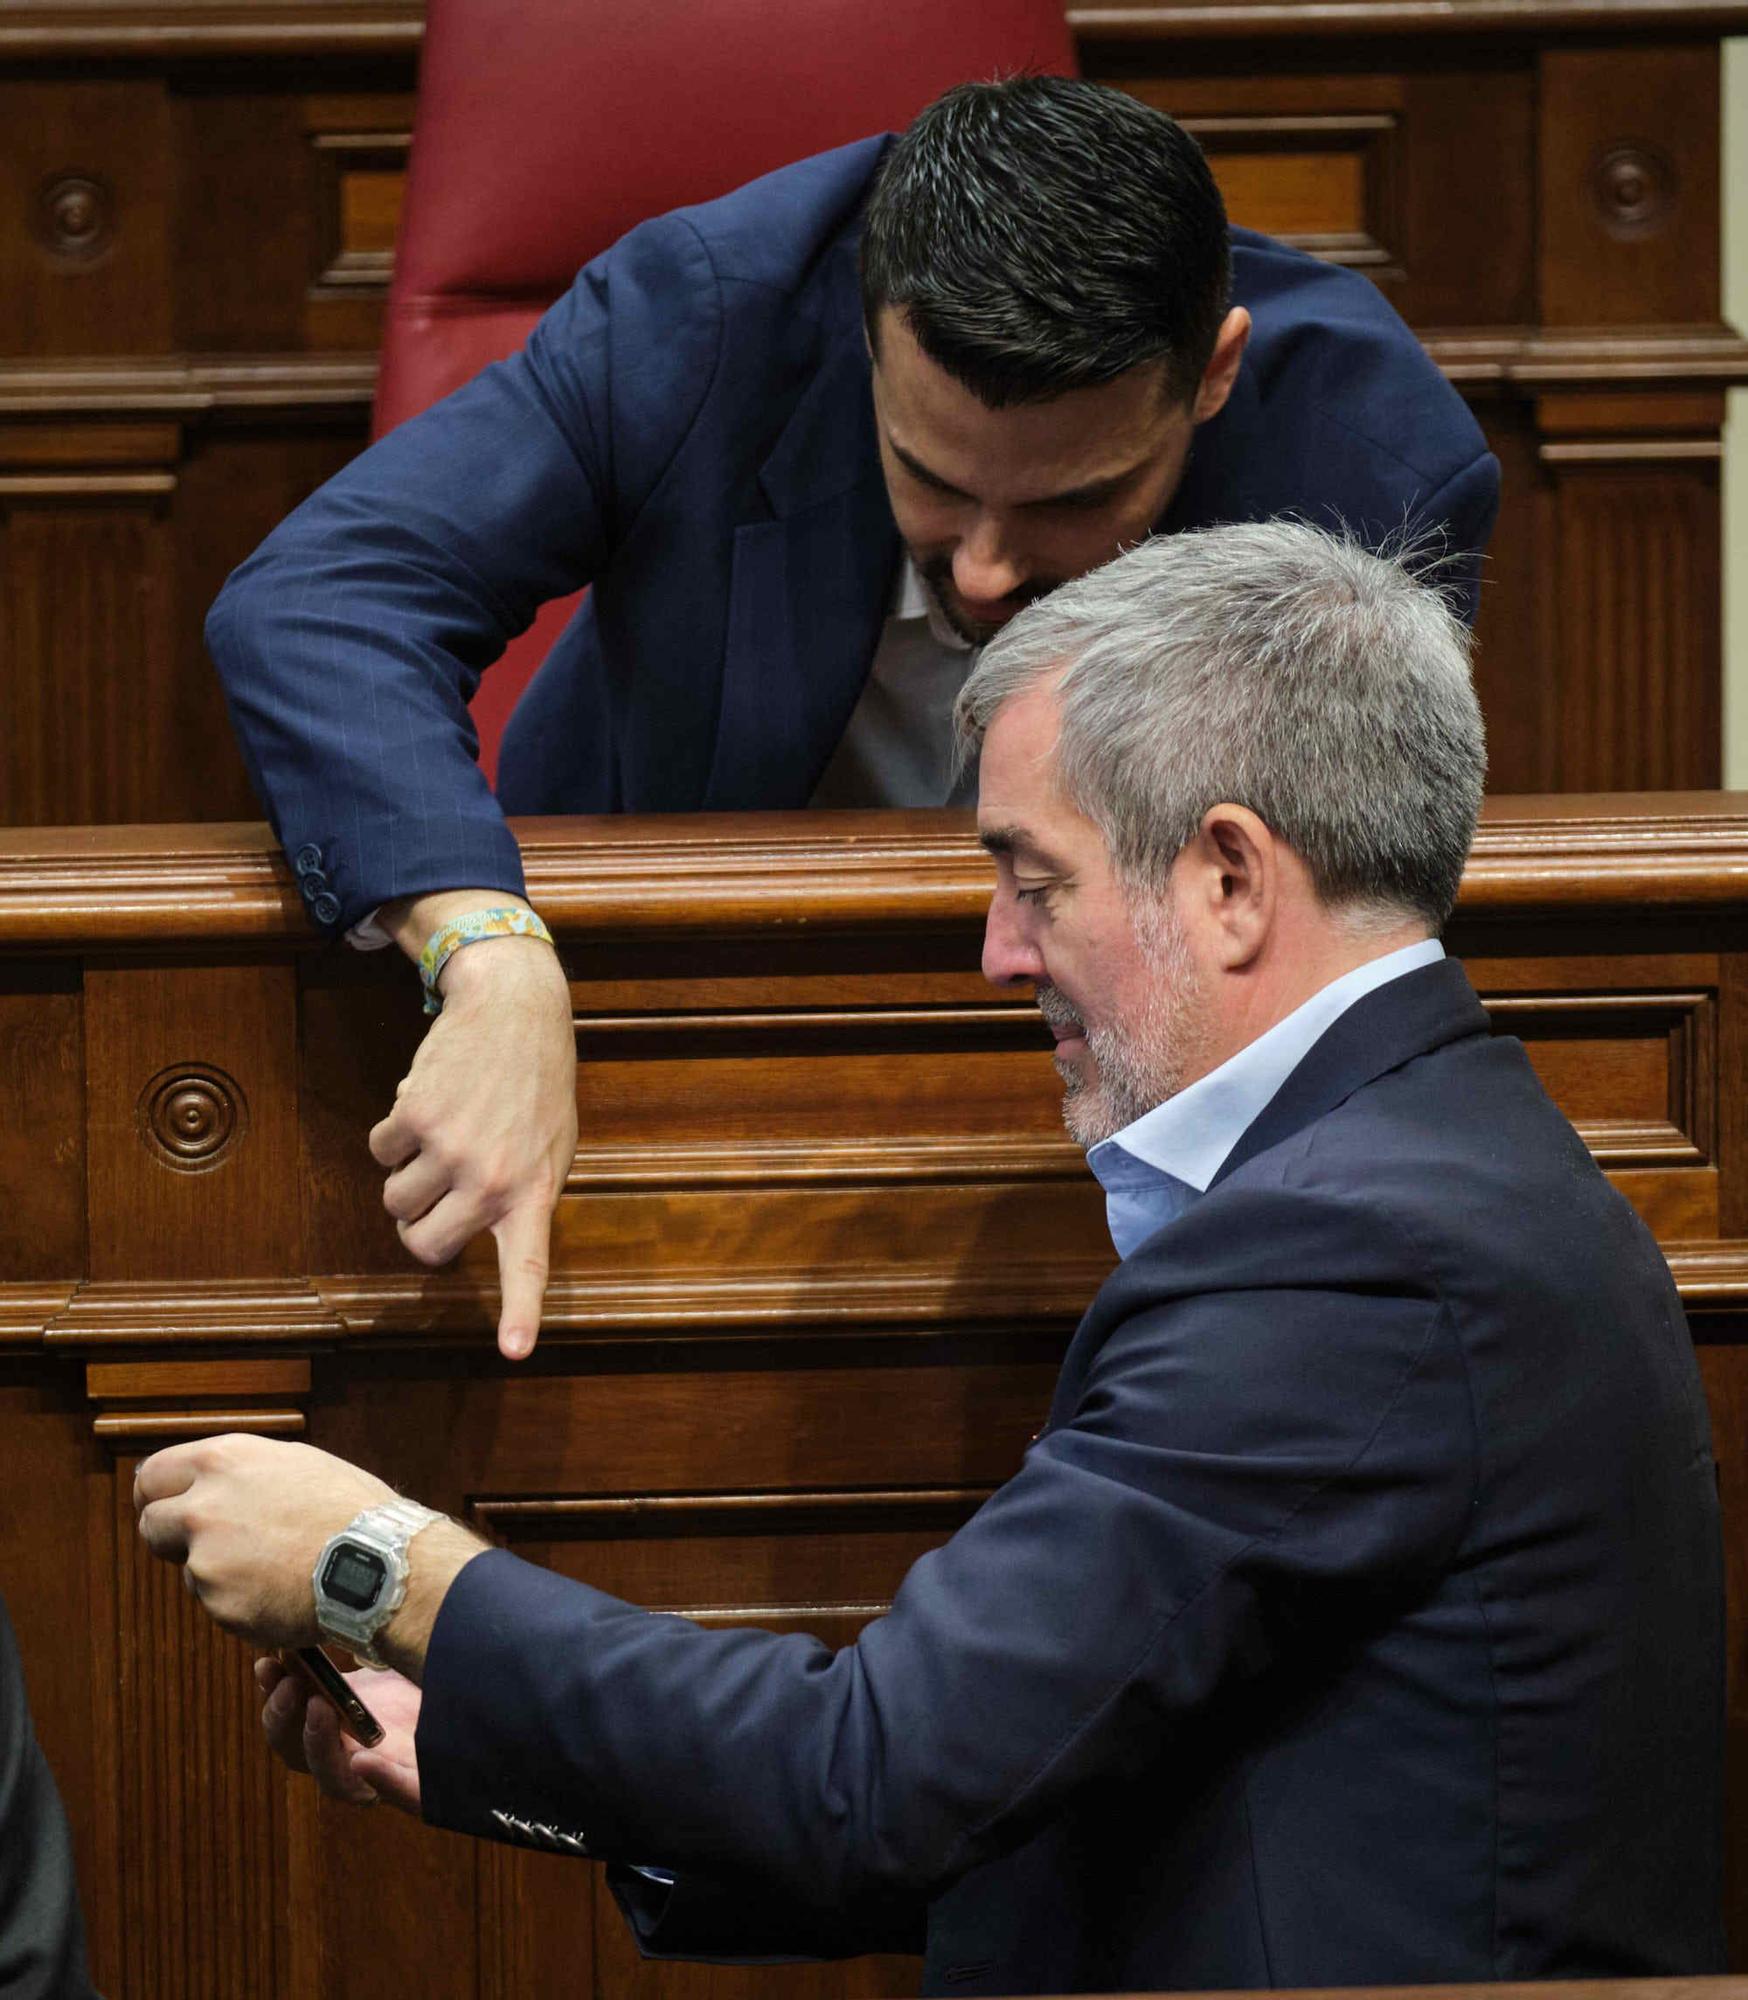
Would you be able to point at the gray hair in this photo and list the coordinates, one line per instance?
(1269, 665)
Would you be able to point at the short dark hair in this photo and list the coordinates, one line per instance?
(1042, 234)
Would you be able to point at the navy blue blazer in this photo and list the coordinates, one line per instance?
(690, 430)
(1356, 1619)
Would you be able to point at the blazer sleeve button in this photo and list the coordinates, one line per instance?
(308, 860)
(326, 908)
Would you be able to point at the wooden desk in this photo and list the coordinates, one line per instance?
(818, 1254)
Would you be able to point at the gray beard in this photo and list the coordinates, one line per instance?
(1136, 1065)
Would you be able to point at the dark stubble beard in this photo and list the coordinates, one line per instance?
(1137, 1064)
(937, 576)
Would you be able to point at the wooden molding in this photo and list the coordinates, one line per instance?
(1629, 451)
(739, 1163)
(1525, 358)
(111, 1382)
(1314, 20)
(189, 385)
(85, 485)
(96, 888)
(1050, 1293)
(135, 1313)
(150, 1429)
(25, 1310)
(144, 29)
(1678, 1026)
(451, 1307)
(599, 1514)
(1711, 1277)
(1625, 851)
(120, 884)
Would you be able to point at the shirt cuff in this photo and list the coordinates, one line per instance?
(367, 934)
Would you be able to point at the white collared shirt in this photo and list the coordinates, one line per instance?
(897, 749)
(1154, 1168)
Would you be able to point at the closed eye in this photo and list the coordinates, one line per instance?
(1083, 501)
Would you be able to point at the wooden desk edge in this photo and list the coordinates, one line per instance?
(133, 886)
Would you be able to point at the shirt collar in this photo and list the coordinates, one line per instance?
(1185, 1140)
(912, 598)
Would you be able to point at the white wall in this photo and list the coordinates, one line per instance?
(1735, 166)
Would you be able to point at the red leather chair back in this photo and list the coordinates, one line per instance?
(547, 128)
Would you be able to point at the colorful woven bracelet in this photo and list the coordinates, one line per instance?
(447, 939)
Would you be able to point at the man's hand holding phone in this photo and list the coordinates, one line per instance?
(304, 1731)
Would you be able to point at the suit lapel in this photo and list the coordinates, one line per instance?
(808, 595)
(1408, 1017)
(1411, 1016)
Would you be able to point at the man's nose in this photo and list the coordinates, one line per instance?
(1008, 955)
(987, 566)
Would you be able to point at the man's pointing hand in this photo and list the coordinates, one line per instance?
(484, 1125)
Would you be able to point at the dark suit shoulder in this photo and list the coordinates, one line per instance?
(774, 230)
(1327, 348)
(1277, 1315)
(1452, 1179)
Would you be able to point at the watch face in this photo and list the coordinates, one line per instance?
(354, 1576)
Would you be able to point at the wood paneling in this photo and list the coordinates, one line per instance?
(1628, 186)
(85, 166)
(195, 251)
(86, 563)
(789, 1347)
(42, 1173)
(192, 1111)
(202, 1863)
(1633, 1071)
(1631, 573)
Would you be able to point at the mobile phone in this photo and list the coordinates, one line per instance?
(332, 1685)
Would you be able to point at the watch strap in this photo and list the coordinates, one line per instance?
(397, 1520)
(388, 1527)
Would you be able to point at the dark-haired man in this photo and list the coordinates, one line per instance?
(1356, 1618)
(809, 444)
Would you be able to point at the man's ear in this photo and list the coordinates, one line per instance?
(1239, 882)
(1222, 369)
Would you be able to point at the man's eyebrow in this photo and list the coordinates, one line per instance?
(913, 464)
(1014, 842)
(1094, 489)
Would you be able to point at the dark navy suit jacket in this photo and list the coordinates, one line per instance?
(42, 1937)
(690, 430)
(1357, 1618)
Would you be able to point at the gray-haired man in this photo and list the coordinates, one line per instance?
(1356, 1616)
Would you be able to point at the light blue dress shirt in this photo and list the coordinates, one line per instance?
(1153, 1169)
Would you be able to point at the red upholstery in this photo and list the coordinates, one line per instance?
(547, 128)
